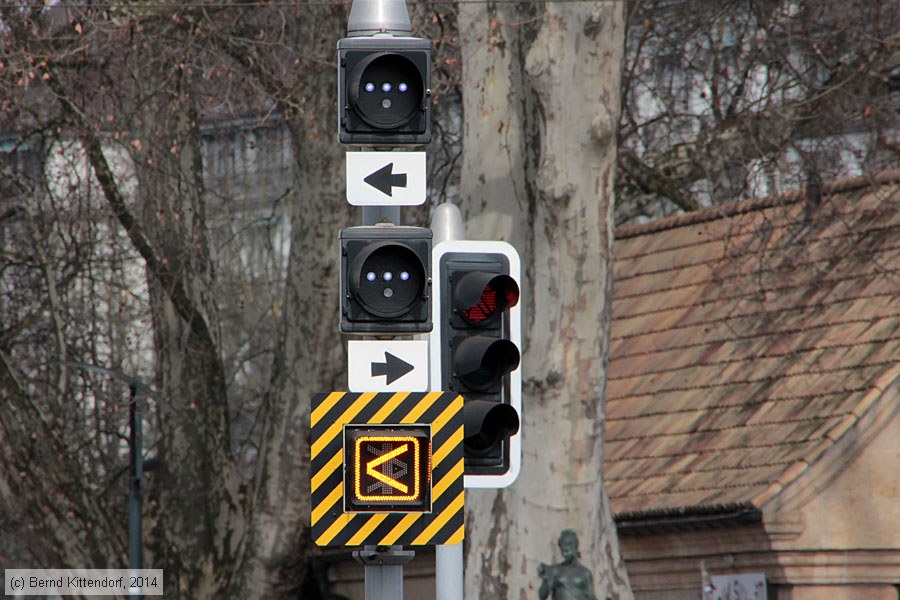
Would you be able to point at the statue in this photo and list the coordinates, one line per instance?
(569, 580)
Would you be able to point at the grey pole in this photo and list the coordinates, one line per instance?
(377, 17)
(135, 499)
(372, 215)
(447, 225)
(384, 581)
(383, 568)
(136, 456)
(449, 579)
(136, 468)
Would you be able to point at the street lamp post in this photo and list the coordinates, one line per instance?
(136, 471)
(136, 455)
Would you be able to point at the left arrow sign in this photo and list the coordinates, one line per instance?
(385, 180)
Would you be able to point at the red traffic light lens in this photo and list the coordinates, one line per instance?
(481, 297)
(485, 307)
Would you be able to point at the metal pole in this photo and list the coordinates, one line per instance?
(136, 467)
(384, 581)
(136, 455)
(447, 225)
(378, 17)
(372, 215)
(449, 578)
(383, 569)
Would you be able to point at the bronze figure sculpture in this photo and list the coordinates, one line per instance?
(568, 580)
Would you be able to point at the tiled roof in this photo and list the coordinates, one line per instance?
(746, 340)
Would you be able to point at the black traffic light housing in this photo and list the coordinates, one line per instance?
(384, 91)
(385, 280)
(479, 353)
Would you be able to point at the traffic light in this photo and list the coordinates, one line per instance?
(385, 280)
(387, 468)
(384, 90)
(476, 344)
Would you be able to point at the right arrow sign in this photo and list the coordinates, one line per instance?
(385, 178)
(393, 368)
(387, 365)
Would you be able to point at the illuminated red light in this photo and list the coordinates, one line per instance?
(484, 308)
(512, 295)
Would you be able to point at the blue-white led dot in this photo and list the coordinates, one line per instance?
(386, 87)
(370, 87)
(404, 276)
(370, 276)
(402, 87)
(388, 275)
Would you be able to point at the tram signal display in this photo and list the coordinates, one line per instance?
(387, 469)
(384, 91)
(385, 280)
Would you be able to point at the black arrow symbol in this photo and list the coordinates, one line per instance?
(393, 368)
(385, 181)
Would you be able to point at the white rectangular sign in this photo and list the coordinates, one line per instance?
(385, 178)
(746, 586)
(387, 366)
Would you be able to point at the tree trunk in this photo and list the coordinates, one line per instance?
(309, 359)
(541, 104)
(193, 509)
(309, 356)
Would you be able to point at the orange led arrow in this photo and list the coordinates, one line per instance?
(371, 466)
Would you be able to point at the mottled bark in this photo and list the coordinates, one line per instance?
(309, 355)
(541, 105)
(194, 506)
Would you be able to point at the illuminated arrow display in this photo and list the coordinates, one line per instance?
(355, 436)
(388, 469)
(388, 460)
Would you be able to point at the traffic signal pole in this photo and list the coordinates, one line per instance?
(449, 579)
(383, 566)
(434, 373)
(474, 352)
(384, 104)
(374, 17)
(378, 17)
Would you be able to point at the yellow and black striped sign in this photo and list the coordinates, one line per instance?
(332, 524)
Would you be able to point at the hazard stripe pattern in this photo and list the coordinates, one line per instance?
(331, 526)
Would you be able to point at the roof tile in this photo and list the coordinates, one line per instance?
(745, 340)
